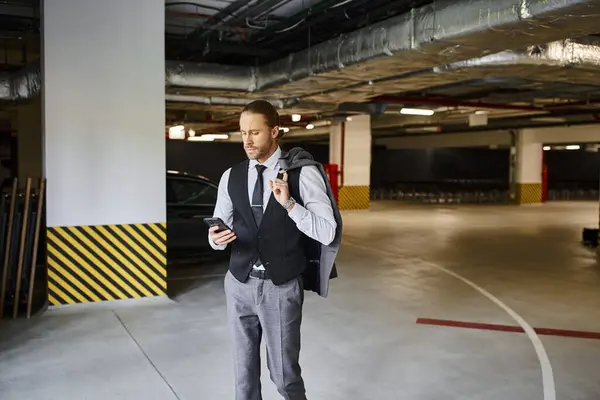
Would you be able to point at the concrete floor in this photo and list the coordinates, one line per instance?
(493, 265)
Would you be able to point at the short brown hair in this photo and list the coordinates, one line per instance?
(266, 109)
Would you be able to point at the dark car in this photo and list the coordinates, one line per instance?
(190, 198)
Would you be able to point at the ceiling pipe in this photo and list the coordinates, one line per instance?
(20, 85)
(435, 34)
(441, 33)
(222, 101)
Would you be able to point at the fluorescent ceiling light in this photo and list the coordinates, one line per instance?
(573, 147)
(416, 111)
(546, 148)
(208, 137)
(192, 132)
(285, 129)
(423, 129)
(177, 132)
(296, 117)
(310, 126)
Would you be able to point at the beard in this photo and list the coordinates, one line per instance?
(257, 153)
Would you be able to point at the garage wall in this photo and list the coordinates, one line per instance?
(399, 165)
(211, 159)
(436, 165)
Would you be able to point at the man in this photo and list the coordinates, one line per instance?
(270, 218)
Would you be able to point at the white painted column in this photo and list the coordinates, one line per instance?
(529, 157)
(103, 67)
(335, 146)
(350, 148)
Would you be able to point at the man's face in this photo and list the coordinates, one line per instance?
(259, 140)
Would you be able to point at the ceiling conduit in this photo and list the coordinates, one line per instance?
(569, 61)
(20, 85)
(437, 34)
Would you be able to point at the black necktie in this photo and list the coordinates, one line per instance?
(257, 196)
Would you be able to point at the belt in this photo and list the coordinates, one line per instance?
(260, 274)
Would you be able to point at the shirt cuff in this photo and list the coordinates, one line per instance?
(214, 245)
(298, 213)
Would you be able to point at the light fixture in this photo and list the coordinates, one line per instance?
(310, 126)
(203, 138)
(208, 137)
(192, 132)
(285, 129)
(573, 147)
(546, 148)
(416, 111)
(296, 117)
(177, 132)
(349, 119)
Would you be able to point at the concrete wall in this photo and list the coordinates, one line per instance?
(575, 134)
(104, 111)
(420, 141)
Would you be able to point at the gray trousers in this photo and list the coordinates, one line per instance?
(259, 307)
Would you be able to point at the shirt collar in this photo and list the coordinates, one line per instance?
(271, 163)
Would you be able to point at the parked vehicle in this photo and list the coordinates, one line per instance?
(190, 198)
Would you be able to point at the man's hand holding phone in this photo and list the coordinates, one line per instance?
(222, 237)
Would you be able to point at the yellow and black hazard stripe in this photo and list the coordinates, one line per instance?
(106, 262)
(528, 193)
(354, 197)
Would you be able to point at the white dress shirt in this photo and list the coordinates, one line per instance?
(315, 219)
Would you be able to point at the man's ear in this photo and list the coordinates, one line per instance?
(275, 132)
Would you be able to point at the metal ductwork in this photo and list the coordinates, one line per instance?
(441, 33)
(437, 34)
(567, 61)
(221, 78)
(20, 85)
(218, 101)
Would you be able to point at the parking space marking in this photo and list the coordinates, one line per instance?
(509, 328)
(547, 373)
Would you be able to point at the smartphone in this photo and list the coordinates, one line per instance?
(216, 222)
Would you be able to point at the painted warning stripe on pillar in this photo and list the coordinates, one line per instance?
(106, 262)
(354, 197)
(529, 193)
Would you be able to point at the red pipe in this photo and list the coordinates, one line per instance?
(455, 103)
(342, 146)
(572, 104)
(544, 178)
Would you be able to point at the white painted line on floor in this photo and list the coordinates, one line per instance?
(547, 374)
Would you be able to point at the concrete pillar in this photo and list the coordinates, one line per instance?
(350, 148)
(529, 158)
(103, 107)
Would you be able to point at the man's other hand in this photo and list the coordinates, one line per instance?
(223, 237)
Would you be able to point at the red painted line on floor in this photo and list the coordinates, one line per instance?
(509, 328)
